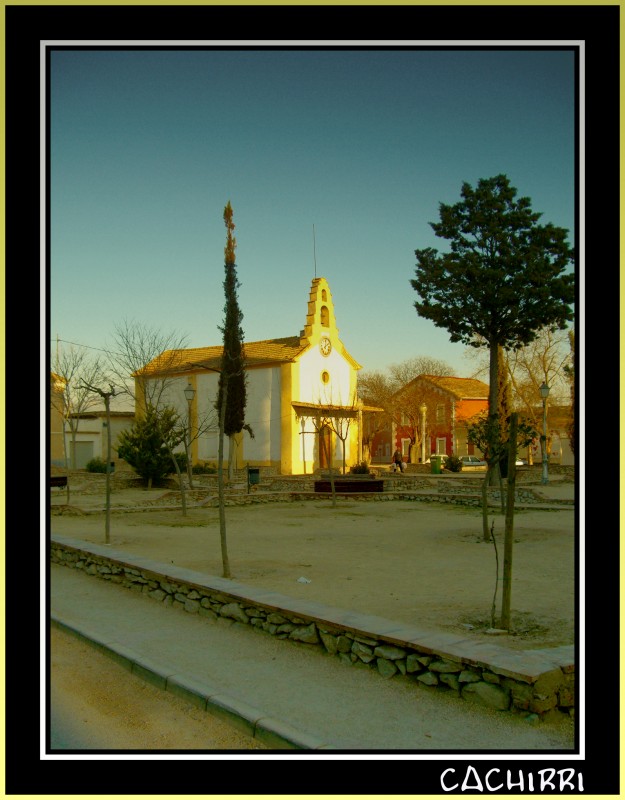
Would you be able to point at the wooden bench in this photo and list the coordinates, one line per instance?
(58, 480)
(344, 486)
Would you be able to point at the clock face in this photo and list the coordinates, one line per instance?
(325, 345)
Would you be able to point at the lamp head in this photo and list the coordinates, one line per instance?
(544, 391)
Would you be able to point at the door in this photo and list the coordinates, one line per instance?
(84, 454)
(325, 447)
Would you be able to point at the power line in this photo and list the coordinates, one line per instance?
(86, 346)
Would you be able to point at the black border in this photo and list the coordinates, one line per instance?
(598, 27)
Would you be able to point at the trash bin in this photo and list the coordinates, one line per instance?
(253, 477)
(436, 465)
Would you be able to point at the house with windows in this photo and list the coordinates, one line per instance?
(431, 415)
(302, 405)
(90, 438)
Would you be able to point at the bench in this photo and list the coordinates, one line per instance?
(58, 480)
(346, 485)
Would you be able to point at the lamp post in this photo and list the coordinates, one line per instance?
(423, 409)
(189, 393)
(544, 393)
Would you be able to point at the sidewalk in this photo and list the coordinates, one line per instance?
(283, 693)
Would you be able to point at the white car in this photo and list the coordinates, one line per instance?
(472, 461)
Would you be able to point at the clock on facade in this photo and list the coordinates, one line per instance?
(325, 345)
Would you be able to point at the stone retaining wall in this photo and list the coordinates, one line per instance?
(534, 682)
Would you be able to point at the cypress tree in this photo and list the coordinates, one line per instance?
(233, 357)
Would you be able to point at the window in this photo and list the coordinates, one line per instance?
(324, 295)
(325, 316)
(325, 377)
(440, 414)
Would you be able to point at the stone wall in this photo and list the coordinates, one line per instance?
(533, 682)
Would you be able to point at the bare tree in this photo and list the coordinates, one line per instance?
(408, 370)
(320, 421)
(341, 423)
(106, 396)
(76, 370)
(401, 402)
(144, 361)
(547, 359)
(569, 371)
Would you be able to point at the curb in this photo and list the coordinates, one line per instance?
(277, 735)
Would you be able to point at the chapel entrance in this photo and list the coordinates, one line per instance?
(325, 446)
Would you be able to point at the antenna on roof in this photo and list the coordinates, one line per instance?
(314, 250)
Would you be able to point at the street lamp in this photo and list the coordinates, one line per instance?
(423, 409)
(544, 393)
(189, 393)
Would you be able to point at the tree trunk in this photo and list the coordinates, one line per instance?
(183, 497)
(231, 451)
(220, 485)
(493, 405)
(509, 532)
(107, 525)
(187, 447)
(485, 482)
(326, 447)
(67, 489)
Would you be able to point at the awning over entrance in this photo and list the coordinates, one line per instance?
(324, 410)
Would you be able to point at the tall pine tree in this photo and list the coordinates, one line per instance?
(504, 278)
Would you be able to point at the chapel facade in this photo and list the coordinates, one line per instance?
(302, 404)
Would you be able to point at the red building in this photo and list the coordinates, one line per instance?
(429, 415)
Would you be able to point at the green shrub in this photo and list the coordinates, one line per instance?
(360, 469)
(147, 444)
(96, 465)
(453, 464)
(204, 468)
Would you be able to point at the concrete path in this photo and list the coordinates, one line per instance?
(285, 693)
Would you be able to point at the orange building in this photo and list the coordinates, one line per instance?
(430, 416)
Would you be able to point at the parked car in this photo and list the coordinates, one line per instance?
(472, 461)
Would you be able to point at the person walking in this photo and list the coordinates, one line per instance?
(398, 461)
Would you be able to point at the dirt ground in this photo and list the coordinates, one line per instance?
(415, 562)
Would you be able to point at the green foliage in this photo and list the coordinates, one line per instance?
(360, 469)
(453, 464)
(204, 468)
(502, 281)
(146, 445)
(492, 438)
(96, 465)
(232, 361)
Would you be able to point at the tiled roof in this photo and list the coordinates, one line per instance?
(256, 353)
(460, 388)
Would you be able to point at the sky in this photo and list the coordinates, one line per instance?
(334, 160)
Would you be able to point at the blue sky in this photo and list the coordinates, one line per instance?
(148, 146)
